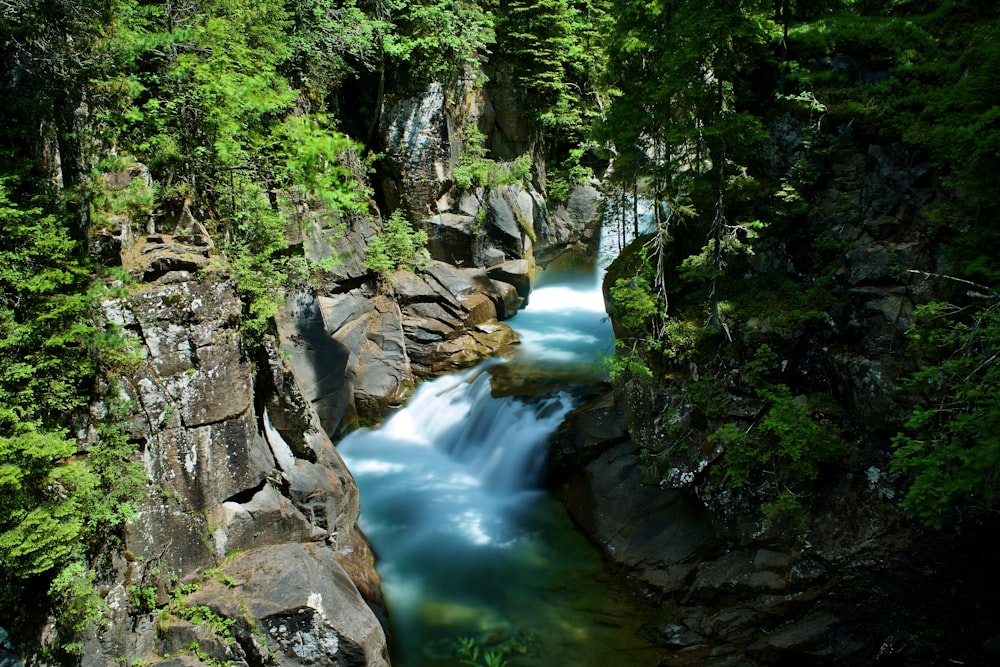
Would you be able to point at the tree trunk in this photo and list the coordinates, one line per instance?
(719, 162)
(72, 163)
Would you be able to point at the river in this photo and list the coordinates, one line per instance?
(469, 543)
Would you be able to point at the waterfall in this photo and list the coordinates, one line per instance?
(469, 544)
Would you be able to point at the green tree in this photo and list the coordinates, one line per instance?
(330, 41)
(438, 40)
(536, 33)
(554, 50)
(678, 71)
(951, 445)
(207, 94)
(399, 246)
(53, 49)
(58, 503)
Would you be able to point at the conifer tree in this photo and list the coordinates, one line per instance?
(438, 40)
(678, 68)
(553, 48)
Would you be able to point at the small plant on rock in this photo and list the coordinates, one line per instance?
(399, 246)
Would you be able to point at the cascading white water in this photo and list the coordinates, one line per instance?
(468, 542)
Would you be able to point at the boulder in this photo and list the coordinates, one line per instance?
(308, 609)
(868, 387)
(866, 265)
(510, 300)
(450, 317)
(519, 272)
(807, 635)
(460, 283)
(266, 517)
(510, 220)
(370, 349)
(453, 238)
(656, 533)
(383, 375)
(356, 353)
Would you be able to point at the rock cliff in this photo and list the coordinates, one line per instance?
(425, 136)
(250, 518)
(832, 572)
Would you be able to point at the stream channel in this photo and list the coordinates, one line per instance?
(468, 541)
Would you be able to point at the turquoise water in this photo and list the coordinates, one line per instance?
(469, 545)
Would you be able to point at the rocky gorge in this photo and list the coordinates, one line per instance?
(740, 479)
(246, 478)
(246, 548)
(841, 577)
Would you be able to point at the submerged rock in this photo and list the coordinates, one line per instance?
(515, 378)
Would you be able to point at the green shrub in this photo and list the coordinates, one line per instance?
(633, 301)
(951, 446)
(791, 442)
(797, 441)
(786, 510)
(398, 246)
(141, 599)
(470, 653)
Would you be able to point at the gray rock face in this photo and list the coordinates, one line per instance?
(416, 134)
(731, 603)
(510, 132)
(655, 533)
(319, 364)
(348, 352)
(305, 605)
(571, 227)
(486, 227)
(519, 272)
(455, 238)
(482, 226)
(238, 463)
(323, 235)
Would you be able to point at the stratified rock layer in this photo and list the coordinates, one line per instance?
(250, 520)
